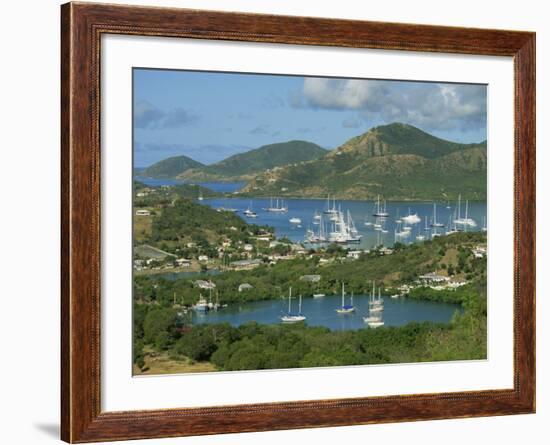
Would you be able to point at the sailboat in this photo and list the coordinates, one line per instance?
(434, 221)
(346, 308)
(249, 213)
(330, 210)
(380, 213)
(343, 231)
(316, 238)
(290, 317)
(319, 294)
(401, 232)
(278, 208)
(397, 218)
(451, 228)
(411, 218)
(469, 222)
(316, 218)
(484, 228)
(200, 198)
(377, 304)
(420, 237)
(376, 308)
(351, 226)
(201, 305)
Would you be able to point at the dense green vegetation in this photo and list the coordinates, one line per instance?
(170, 167)
(255, 346)
(242, 165)
(272, 281)
(164, 196)
(161, 326)
(397, 161)
(186, 221)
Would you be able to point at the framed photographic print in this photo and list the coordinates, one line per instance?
(279, 222)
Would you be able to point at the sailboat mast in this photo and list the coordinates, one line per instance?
(289, 297)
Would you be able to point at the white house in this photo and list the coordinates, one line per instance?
(354, 254)
(245, 286)
(432, 277)
(311, 278)
(143, 212)
(202, 284)
(183, 262)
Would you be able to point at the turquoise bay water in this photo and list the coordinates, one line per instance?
(321, 312)
(361, 211)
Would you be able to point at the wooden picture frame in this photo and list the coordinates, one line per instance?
(82, 26)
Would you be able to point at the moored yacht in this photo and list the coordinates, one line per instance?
(380, 212)
(346, 308)
(290, 317)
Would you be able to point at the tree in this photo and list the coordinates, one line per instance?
(156, 321)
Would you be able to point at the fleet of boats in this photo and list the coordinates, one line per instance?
(336, 225)
(373, 319)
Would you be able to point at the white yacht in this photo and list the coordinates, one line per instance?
(380, 212)
(411, 218)
(469, 222)
(376, 308)
(344, 231)
(434, 221)
(277, 208)
(290, 317)
(330, 210)
(201, 305)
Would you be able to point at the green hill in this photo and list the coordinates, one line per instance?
(170, 167)
(244, 165)
(397, 161)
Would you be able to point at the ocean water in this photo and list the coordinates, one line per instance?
(361, 212)
(322, 312)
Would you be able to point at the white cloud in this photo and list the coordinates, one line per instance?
(433, 106)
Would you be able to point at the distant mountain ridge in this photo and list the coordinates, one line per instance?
(397, 161)
(244, 166)
(170, 167)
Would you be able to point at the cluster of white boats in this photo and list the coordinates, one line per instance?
(344, 231)
(373, 319)
(334, 225)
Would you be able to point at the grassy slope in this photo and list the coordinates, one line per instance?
(170, 167)
(253, 161)
(397, 161)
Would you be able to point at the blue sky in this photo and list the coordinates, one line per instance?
(210, 116)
